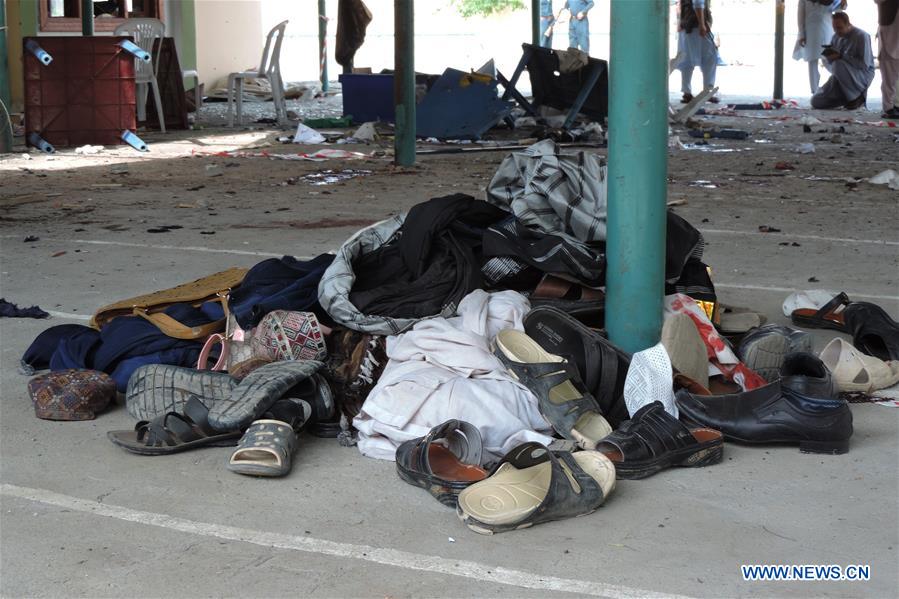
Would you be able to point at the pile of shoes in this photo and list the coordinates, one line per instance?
(465, 341)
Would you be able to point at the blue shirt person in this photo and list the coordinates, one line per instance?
(546, 21)
(579, 25)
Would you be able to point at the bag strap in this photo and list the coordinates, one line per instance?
(173, 328)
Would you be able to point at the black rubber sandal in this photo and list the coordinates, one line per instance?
(827, 317)
(445, 462)
(601, 366)
(654, 440)
(533, 484)
(872, 330)
(174, 432)
(562, 397)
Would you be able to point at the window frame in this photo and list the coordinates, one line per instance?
(48, 24)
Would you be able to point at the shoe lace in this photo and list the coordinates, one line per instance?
(369, 363)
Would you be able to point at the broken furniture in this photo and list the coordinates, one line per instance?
(145, 33)
(367, 97)
(170, 80)
(584, 90)
(79, 90)
(269, 69)
(460, 105)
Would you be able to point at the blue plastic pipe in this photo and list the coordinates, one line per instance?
(138, 52)
(39, 53)
(638, 170)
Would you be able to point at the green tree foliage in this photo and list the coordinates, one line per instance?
(483, 8)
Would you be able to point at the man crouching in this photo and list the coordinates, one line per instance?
(851, 63)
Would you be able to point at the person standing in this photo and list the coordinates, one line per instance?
(579, 24)
(697, 46)
(852, 64)
(888, 33)
(815, 31)
(547, 19)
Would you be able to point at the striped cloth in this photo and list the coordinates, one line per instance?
(555, 192)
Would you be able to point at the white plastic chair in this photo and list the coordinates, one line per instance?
(270, 69)
(145, 32)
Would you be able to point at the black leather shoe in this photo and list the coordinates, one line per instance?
(805, 374)
(872, 329)
(770, 414)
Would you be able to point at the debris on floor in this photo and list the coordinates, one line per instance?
(11, 310)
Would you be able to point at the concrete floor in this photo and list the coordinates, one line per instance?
(79, 517)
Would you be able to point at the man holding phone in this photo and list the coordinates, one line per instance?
(852, 64)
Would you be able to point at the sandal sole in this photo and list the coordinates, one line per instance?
(705, 456)
(766, 356)
(158, 389)
(228, 440)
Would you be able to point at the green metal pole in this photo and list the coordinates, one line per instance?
(779, 50)
(535, 22)
(87, 17)
(404, 81)
(638, 168)
(323, 44)
(6, 136)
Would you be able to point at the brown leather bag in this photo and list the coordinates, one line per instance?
(212, 288)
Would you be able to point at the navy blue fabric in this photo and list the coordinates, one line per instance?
(128, 342)
(278, 284)
(41, 350)
(123, 345)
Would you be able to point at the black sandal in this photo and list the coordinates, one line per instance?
(654, 440)
(561, 396)
(445, 462)
(872, 330)
(601, 366)
(533, 484)
(827, 317)
(174, 432)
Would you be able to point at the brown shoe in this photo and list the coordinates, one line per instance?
(686, 99)
(355, 363)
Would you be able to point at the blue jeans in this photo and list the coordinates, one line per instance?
(579, 34)
(546, 41)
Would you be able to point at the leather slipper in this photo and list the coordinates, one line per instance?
(446, 461)
(600, 365)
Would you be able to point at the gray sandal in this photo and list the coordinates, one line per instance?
(266, 448)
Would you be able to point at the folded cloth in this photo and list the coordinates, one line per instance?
(443, 369)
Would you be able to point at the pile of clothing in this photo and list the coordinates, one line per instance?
(465, 341)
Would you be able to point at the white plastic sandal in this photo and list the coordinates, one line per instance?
(855, 371)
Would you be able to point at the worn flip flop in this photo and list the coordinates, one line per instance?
(601, 366)
(174, 432)
(533, 484)
(828, 316)
(446, 461)
(654, 440)
(267, 447)
(562, 398)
